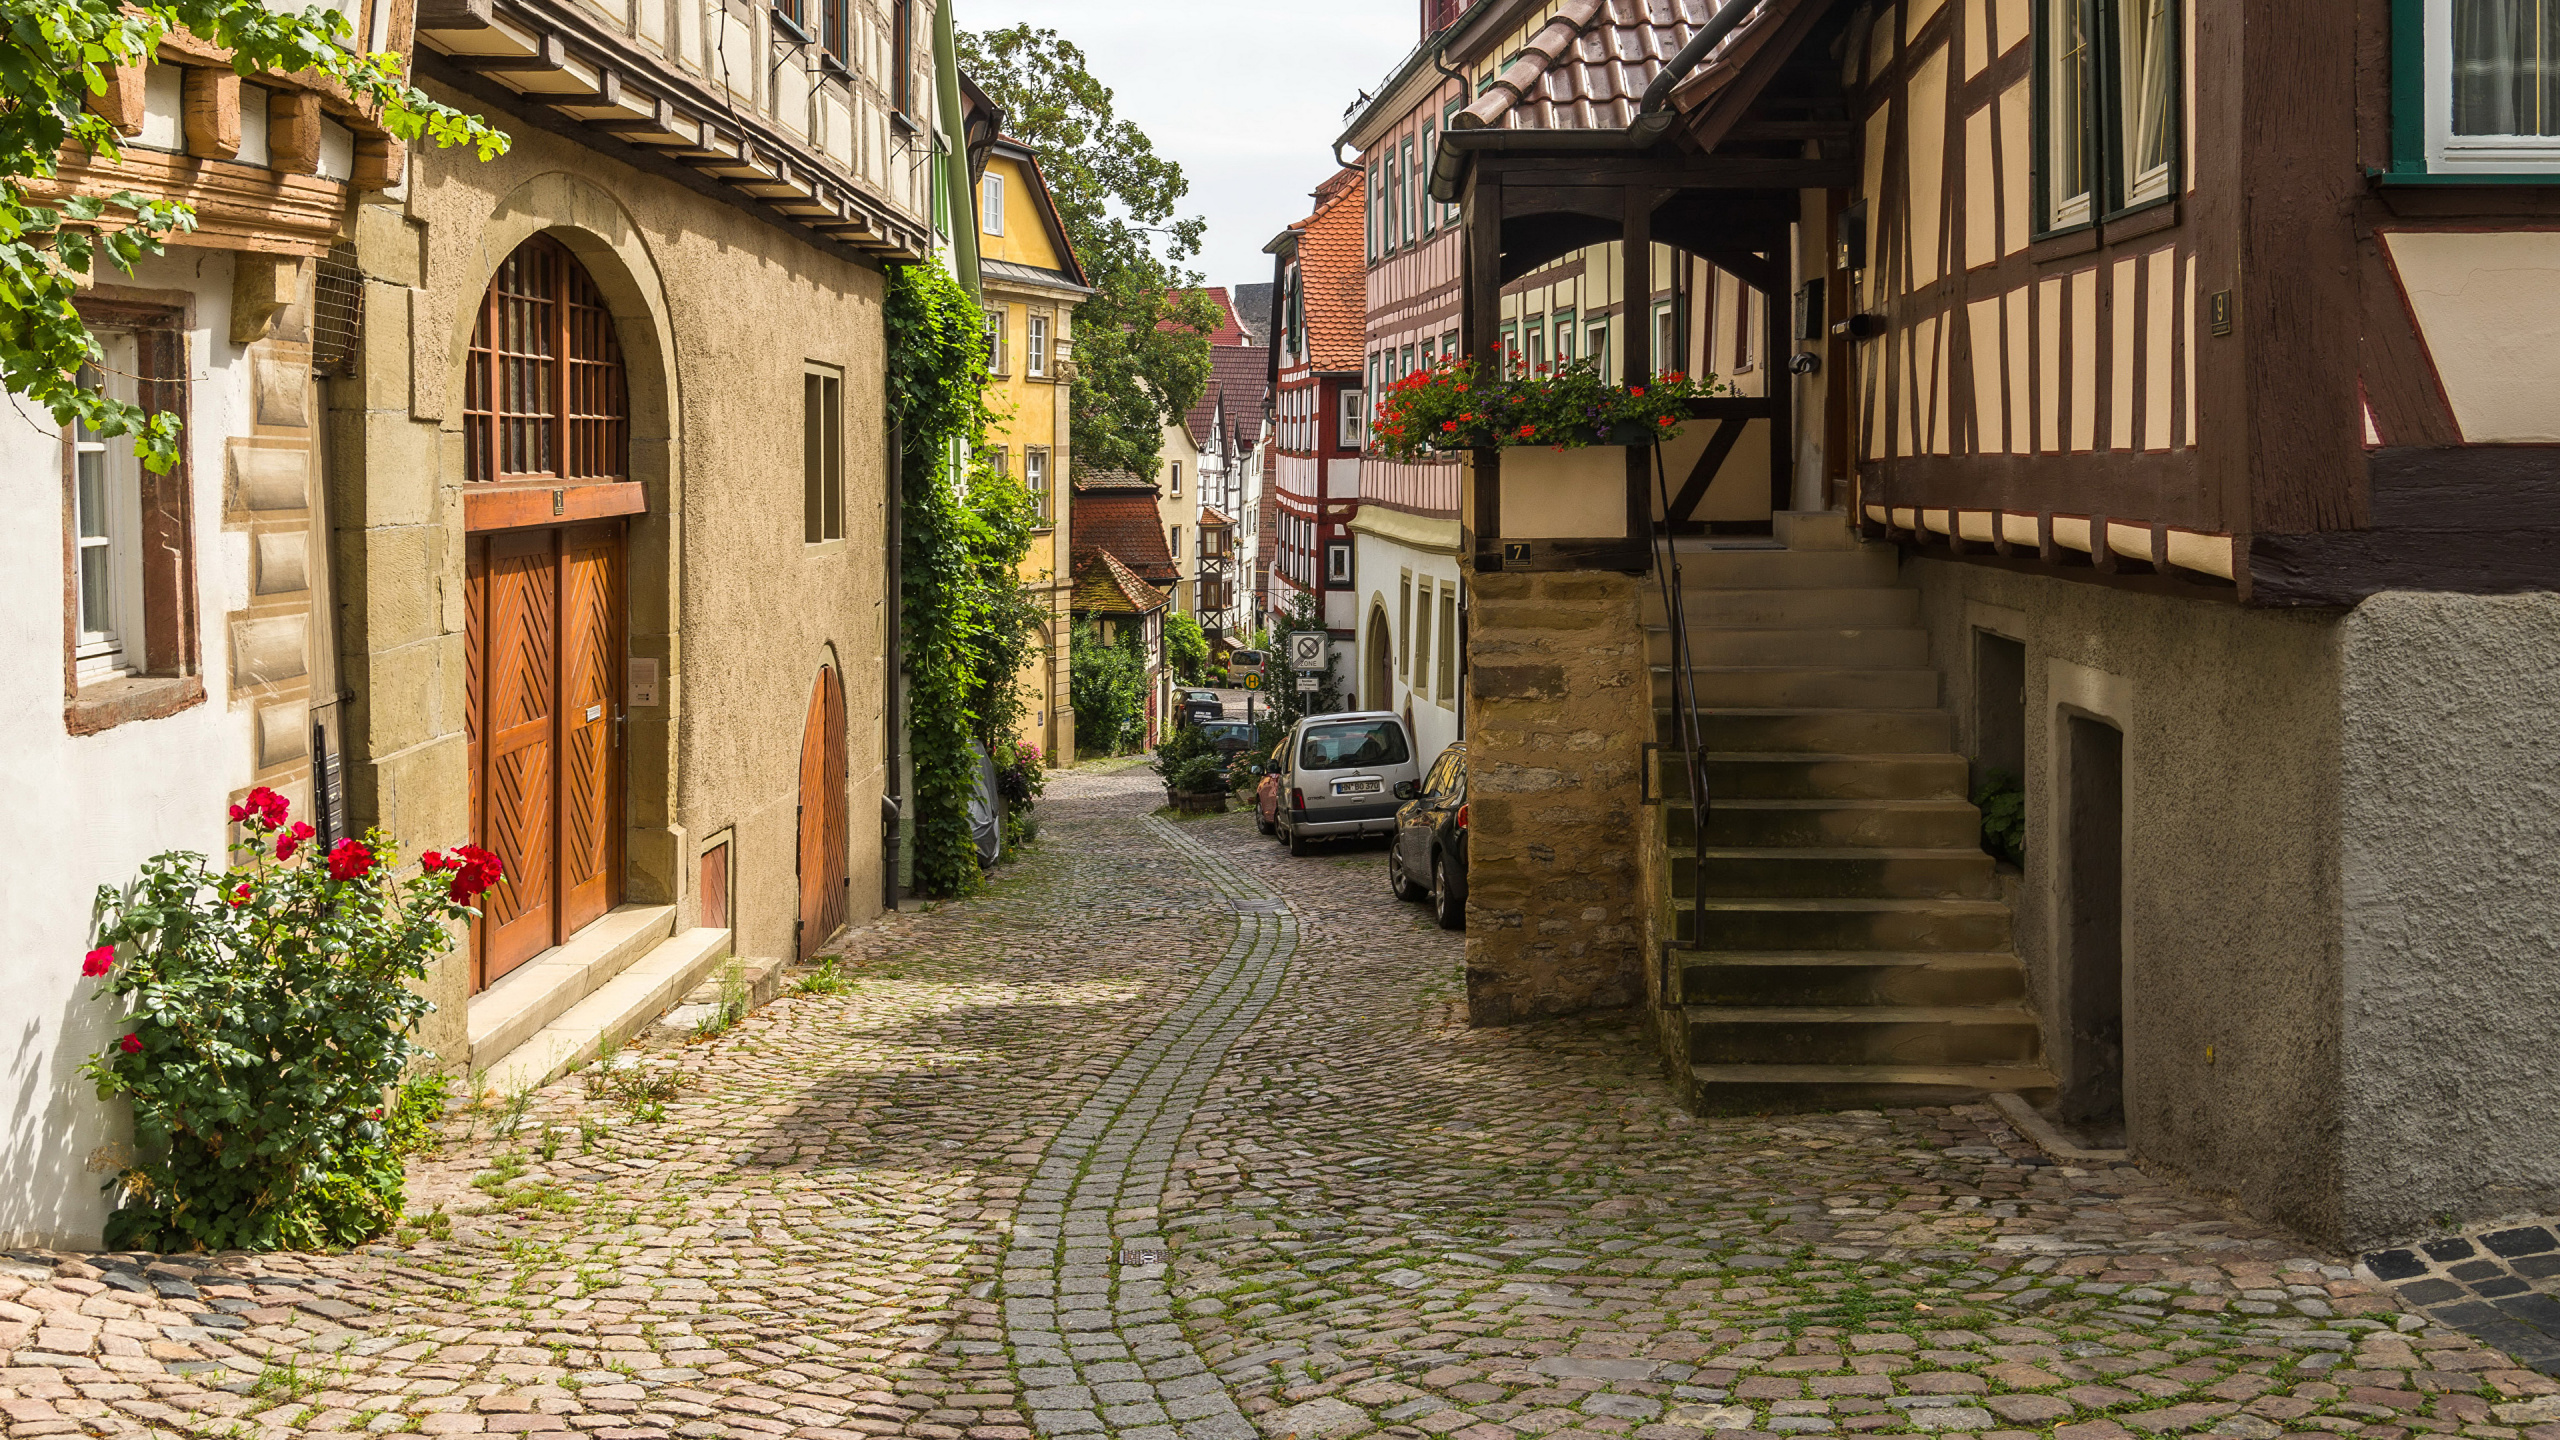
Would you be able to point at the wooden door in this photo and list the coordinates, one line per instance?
(590, 824)
(823, 827)
(519, 670)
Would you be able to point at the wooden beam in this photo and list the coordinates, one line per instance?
(510, 505)
(293, 131)
(211, 106)
(379, 162)
(549, 53)
(121, 103)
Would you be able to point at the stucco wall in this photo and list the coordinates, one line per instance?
(1386, 570)
(92, 808)
(2451, 860)
(2231, 938)
(717, 312)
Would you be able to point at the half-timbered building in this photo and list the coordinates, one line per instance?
(2158, 420)
(1319, 408)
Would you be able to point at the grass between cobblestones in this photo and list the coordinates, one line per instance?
(1371, 1220)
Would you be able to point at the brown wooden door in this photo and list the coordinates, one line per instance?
(590, 661)
(519, 667)
(542, 718)
(823, 830)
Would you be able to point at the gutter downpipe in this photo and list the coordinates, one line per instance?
(1653, 120)
(955, 162)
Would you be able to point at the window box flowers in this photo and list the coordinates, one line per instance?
(1453, 406)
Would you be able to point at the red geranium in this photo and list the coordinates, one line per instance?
(99, 961)
(350, 860)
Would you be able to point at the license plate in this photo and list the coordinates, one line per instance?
(1357, 787)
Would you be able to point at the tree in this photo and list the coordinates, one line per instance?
(1142, 338)
(1186, 646)
(1107, 685)
(1288, 703)
(54, 55)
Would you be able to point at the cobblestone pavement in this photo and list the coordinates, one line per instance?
(1172, 1137)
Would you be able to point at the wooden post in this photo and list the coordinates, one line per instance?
(1635, 343)
(293, 132)
(1481, 297)
(121, 104)
(211, 105)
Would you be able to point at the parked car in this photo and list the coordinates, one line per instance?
(1341, 777)
(1202, 705)
(1266, 795)
(1231, 737)
(1431, 840)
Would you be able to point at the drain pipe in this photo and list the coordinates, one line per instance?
(1653, 117)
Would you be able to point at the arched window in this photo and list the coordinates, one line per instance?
(544, 397)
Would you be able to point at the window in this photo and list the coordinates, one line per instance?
(991, 204)
(1377, 208)
(1564, 338)
(1035, 346)
(1430, 207)
(2108, 106)
(1173, 541)
(1448, 694)
(1449, 344)
(1337, 563)
(2492, 94)
(1035, 478)
(1176, 491)
(1358, 743)
(1422, 646)
(106, 526)
(1408, 202)
(1595, 343)
(1355, 426)
(1536, 357)
(822, 455)
(1449, 122)
(902, 46)
(996, 346)
(1000, 459)
(1510, 347)
(1407, 367)
(833, 36)
(1667, 354)
(543, 395)
(1404, 621)
(128, 535)
(1390, 234)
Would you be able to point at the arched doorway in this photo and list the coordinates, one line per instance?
(823, 818)
(546, 434)
(1380, 685)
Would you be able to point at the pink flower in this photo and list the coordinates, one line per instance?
(99, 961)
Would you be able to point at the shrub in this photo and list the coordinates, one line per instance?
(1019, 779)
(1107, 686)
(269, 1013)
(2002, 798)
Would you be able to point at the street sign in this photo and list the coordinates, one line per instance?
(1308, 682)
(1306, 651)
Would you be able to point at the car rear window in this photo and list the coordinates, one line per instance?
(1352, 745)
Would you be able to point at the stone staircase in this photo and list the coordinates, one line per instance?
(1844, 942)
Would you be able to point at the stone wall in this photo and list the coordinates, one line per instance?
(1557, 708)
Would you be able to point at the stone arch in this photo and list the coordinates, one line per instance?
(1377, 658)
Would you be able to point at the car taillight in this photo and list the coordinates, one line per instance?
(1462, 817)
(1297, 798)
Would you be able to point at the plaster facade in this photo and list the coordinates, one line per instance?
(1410, 658)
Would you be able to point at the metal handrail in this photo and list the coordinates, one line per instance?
(1684, 710)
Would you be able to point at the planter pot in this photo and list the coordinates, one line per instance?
(1204, 802)
(1550, 494)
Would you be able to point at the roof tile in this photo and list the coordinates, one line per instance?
(1125, 522)
(1588, 66)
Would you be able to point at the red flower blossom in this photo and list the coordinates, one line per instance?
(1528, 430)
(1448, 425)
(131, 1044)
(291, 840)
(474, 870)
(1674, 378)
(1636, 390)
(264, 808)
(99, 961)
(432, 860)
(240, 895)
(350, 860)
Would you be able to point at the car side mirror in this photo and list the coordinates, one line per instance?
(1406, 789)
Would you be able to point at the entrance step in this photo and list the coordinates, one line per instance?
(1851, 977)
(1814, 530)
(1806, 687)
(1739, 775)
(1872, 872)
(1833, 1035)
(1815, 608)
(1717, 568)
(531, 996)
(614, 1012)
(1810, 923)
(1730, 730)
(1832, 824)
(1786, 1089)
(1810, 646)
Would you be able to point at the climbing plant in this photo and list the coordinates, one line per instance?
(966, 528)
(1107, 684)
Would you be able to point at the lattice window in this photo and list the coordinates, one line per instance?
(545, 396)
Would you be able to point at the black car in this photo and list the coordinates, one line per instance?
(1202, 705)
(1431, 840)
(1230, 737)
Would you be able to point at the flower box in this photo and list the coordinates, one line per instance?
(1205, 802)
(1451, 407)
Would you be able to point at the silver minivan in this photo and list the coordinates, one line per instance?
(1342, 775)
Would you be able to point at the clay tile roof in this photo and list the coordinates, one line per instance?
(1335, 272)
(1238, 372)
(1125, 522)
(1094, 480)
(1588, 66)
(1104, 584)
(1210, 518)
(1229, 331)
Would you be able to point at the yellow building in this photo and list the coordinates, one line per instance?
(1030, 282)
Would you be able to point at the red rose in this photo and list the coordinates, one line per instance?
(99, 961)
(432, 860)
(264, 806)
(131, 1044)
(292, 839)
(240, 896)
(474, 870)
(350, 860)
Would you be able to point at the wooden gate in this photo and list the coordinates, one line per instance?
(543, 612)
(823, 817)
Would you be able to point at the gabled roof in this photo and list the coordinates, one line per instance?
(1333, 271)
(1236, 374)
(1098, 480)
(1253, 311)
(1588, 66)
(1210, 519)
(1106, 586)
(1044, 205)
(1124, 521)
(1227, 331)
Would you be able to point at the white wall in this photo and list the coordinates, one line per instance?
(91, 808)
(1380, 564)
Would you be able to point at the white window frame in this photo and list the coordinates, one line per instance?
(2142, 187)
(1173, 542)
(1337, 562)
(1035, 345)
(1035, 477)
(1355, 419)
(106, 469)
(2470, 154)
(1174, 492)
(2081, 206)
(991, 204)
(998, 344)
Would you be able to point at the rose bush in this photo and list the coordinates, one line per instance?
(268, 1011)
(1451, 406)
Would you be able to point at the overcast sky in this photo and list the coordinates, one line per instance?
(1247, 98)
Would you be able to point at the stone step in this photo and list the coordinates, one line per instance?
(1775, 569)
(1802, 687)
(1741, 873)
(614, 1012)
(1790, 1089)
(1860, 1035)
(1780, 776)
(538, 992)
(1833, 824)
(1844, 649)
(1814, 530)
(1851, 977)
(1840, 923)
(1816, 731)
(1809, 608)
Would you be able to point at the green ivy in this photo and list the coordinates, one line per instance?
(2002, 798)
(1107, 685)
(966, 528)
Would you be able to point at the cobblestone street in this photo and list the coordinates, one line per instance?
(1173, 1137)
